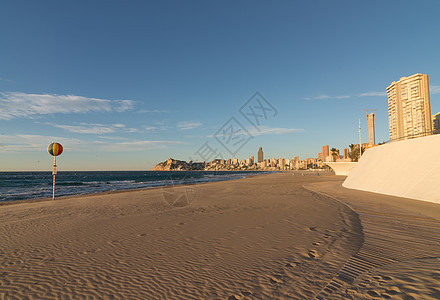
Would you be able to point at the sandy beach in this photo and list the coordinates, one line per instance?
(277, 236)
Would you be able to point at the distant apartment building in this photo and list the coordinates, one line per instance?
(235, 161)
(346, 153)
(371, 130)
(436, 123)
(320, 156)
(281, 163)
(325, 152)
(409, 107)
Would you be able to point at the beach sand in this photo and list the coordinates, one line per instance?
(262, 237)
(400, 256)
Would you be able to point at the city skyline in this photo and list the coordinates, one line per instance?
(123, 87)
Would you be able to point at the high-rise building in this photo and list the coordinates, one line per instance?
(371, 130)
(409, 107)
(281, 163)
(260, 155)
(346, 153)
(436, 123)
(320, 156)
(325, 151)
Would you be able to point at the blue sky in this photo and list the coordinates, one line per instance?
(123, 85)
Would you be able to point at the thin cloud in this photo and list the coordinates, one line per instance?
(323, 97)
(141, 145)
(434, 89)
(22, 105)
(367, 94)
(373, 94)
(150, 128)
(5, 80)
(38, 143)
(93, 128)
(144, 111)
(189, 125)
(263, 130)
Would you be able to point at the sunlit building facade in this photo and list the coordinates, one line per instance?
(409, 107)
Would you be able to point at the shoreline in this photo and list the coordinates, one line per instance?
(10, 202)
(42, 199)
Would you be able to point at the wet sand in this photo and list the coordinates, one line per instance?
(264, 237)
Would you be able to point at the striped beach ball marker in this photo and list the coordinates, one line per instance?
(55, 149)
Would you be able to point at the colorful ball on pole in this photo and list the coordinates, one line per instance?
(55, 149)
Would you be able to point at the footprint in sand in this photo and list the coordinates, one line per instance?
(373, 293)
(246, 293)
(313, 228)
(275, 278)
(234, 297)
(393, 291)
(313, 254)
(291, 264)
(317, 243)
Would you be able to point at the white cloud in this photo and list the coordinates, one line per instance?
(373, 94)
(140, 145)
(150, 128)
(434, 89)
(22, 105)
(189, 125)
(38, 143)
(272, 130)
(5, 79)
(322, 97)
(91, 129)
(152, 111)
(367, 94)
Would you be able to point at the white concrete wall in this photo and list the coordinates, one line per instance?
(341, 168)
(409, 168)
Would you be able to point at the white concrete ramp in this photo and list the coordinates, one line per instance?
(409, 168)
(341, 168)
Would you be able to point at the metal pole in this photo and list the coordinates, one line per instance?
(54, 172)
(360, 141)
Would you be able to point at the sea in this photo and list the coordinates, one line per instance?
(31, 185)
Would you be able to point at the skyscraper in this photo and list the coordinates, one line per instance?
(371, 130)
(325, 152)
(409, 107)
(260, 154)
